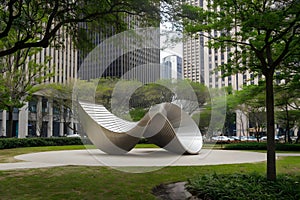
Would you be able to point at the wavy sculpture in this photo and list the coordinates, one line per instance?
(165, 125)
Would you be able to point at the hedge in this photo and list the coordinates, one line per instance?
(261, 146)
(8, 143)
(236, 186)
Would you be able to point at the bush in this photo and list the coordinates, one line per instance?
(143, 141)
(246, 146)
(261, 146)
(137, 114)
(244, 186)
(288, 147)
(8, 143)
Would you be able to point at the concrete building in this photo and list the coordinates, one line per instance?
(41, 116)
(46, 117)
(200, 64)
(171, 67)
(111, 58)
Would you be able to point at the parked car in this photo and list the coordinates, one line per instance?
(222, 139)
(74, 135)
(264, 138)
(235, 138)
(248, 138)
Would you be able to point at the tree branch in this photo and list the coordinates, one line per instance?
(11, 17)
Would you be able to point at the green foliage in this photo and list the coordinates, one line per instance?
(262, 28)
(261, 146)
(21, 77)
(8, 143)
(137, 113)
(38, 22)
(97, 182)
(262, 37)
(104, 91)
(250, 98)
(287, 97)
(203, 119)
(288, 118)
(251, 102)
(244, 186)
(150, 95)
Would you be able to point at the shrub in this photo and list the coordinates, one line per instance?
(244, 186)
(8, 143)
(143, 141)
(261, 146)
(137, 114)
(246, 146)
(288, 147)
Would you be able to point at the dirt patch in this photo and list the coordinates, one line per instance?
(172, 191)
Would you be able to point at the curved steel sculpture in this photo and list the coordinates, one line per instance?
(165, 125)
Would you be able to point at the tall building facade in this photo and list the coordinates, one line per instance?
(42, 116)
(171, 67)
(123, 55)
(200, 64)
(45, 116)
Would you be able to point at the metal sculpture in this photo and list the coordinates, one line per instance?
(165, 125)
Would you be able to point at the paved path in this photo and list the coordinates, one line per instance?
(138, 157)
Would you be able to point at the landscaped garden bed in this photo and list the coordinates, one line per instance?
(244, 186)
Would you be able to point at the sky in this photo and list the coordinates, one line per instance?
(168, 47)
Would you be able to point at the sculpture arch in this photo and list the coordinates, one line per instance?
(165, 125)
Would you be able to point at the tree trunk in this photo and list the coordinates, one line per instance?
(10, 123)
(271, 157)
(287, 128)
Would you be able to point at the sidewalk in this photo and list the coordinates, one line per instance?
(137, 157)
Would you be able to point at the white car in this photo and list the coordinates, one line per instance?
(249, 138)
(221, 139)
(74, 135)
(264, 138)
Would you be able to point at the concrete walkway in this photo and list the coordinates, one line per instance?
(153, 157)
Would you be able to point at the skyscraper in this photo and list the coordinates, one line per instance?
(171, 67)
(42, 116)
(200, 63)
(111, 58)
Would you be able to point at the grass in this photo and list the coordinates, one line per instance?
(78, 182)
(146, 146)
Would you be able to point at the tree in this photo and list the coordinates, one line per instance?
(19, 80)
(104, 91)
(264, 35)
(189, 95)
(39, 22)
(60, 96)
(150, 95)
(212, 115)
(287, 101)
(250, 101)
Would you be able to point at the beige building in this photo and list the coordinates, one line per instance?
(200, 64)
(40, 117)
(45, 117)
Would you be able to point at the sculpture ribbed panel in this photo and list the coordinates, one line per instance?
(165, 125)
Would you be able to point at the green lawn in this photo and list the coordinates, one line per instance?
(77, 182)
